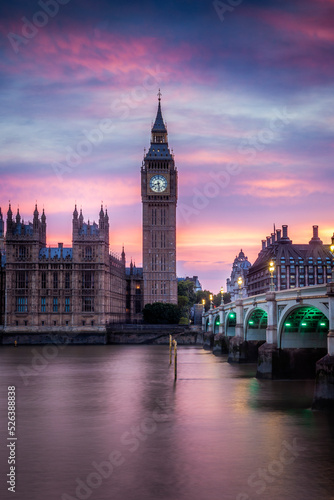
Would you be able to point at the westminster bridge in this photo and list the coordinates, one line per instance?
(289, 332)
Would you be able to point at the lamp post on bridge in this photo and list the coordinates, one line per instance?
(211, 301)
(240, 281)
(221, 295)
(332, 252)
(203, 304)
(272, 270)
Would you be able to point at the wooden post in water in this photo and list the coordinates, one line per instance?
(175, 360)
(170, 349)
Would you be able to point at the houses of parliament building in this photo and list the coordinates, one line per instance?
(85, 286)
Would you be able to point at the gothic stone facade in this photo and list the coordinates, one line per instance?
(159, 198)
(82, 287)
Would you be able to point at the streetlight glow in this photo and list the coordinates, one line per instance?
(221, 295)
(272, 270)
(240, 285)
(332, 252)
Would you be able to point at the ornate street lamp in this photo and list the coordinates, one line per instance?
(203, 303)
(272, 270)
(221, 295)
(240, 285)
(211, 299)
(332, 252)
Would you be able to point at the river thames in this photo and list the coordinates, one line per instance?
(109, 422)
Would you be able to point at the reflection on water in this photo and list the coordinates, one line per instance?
(108, 422)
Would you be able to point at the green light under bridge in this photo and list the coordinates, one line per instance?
(217, 322)
(251, 322)
(232, 315)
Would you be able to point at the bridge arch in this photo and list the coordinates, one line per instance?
(216, 323)
(303, 326)
(255, 325)
(230, 323)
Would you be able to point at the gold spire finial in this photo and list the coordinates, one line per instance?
(159, 95)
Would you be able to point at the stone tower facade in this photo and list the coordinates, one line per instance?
(61, 289)
(159, 199)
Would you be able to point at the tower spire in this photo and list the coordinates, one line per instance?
(159, 127)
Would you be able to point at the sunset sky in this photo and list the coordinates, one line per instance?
(247, 94)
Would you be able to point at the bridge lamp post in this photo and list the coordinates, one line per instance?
(203, 304)
(221, 295)
(272, 270)
(211, 301)
(240, 285)
(332, 252)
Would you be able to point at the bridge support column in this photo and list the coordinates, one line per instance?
(208, 334)
(210, 329)
(238, 346)
(222, 323)
(218, 338)
(269, 350)
(324, 381)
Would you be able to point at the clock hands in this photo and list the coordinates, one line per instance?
(158, 183)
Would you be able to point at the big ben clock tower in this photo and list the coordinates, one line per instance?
(159, 198)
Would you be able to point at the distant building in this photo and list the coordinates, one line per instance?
(240, 268)
(296, 265)
(194, 279)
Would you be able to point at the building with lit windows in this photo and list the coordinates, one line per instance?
(296, 265)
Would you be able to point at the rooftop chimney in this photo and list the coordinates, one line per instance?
(268, 241)
(278, 233)
(272, 238)
(315, 238)
(285, 231)
(263, 244)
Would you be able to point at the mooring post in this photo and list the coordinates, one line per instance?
(170, 349)
(175, 359)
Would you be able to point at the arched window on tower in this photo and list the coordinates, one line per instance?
(88, 253)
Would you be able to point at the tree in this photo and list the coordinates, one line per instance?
(186, 289)
(160, 313)
(186, 298)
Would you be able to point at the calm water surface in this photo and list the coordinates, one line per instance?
(218, 433)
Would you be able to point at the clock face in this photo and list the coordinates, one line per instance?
(158, 183)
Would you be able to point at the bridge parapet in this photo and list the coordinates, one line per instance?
(233, 318)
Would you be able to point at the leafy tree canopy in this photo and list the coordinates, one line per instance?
(160, 313)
